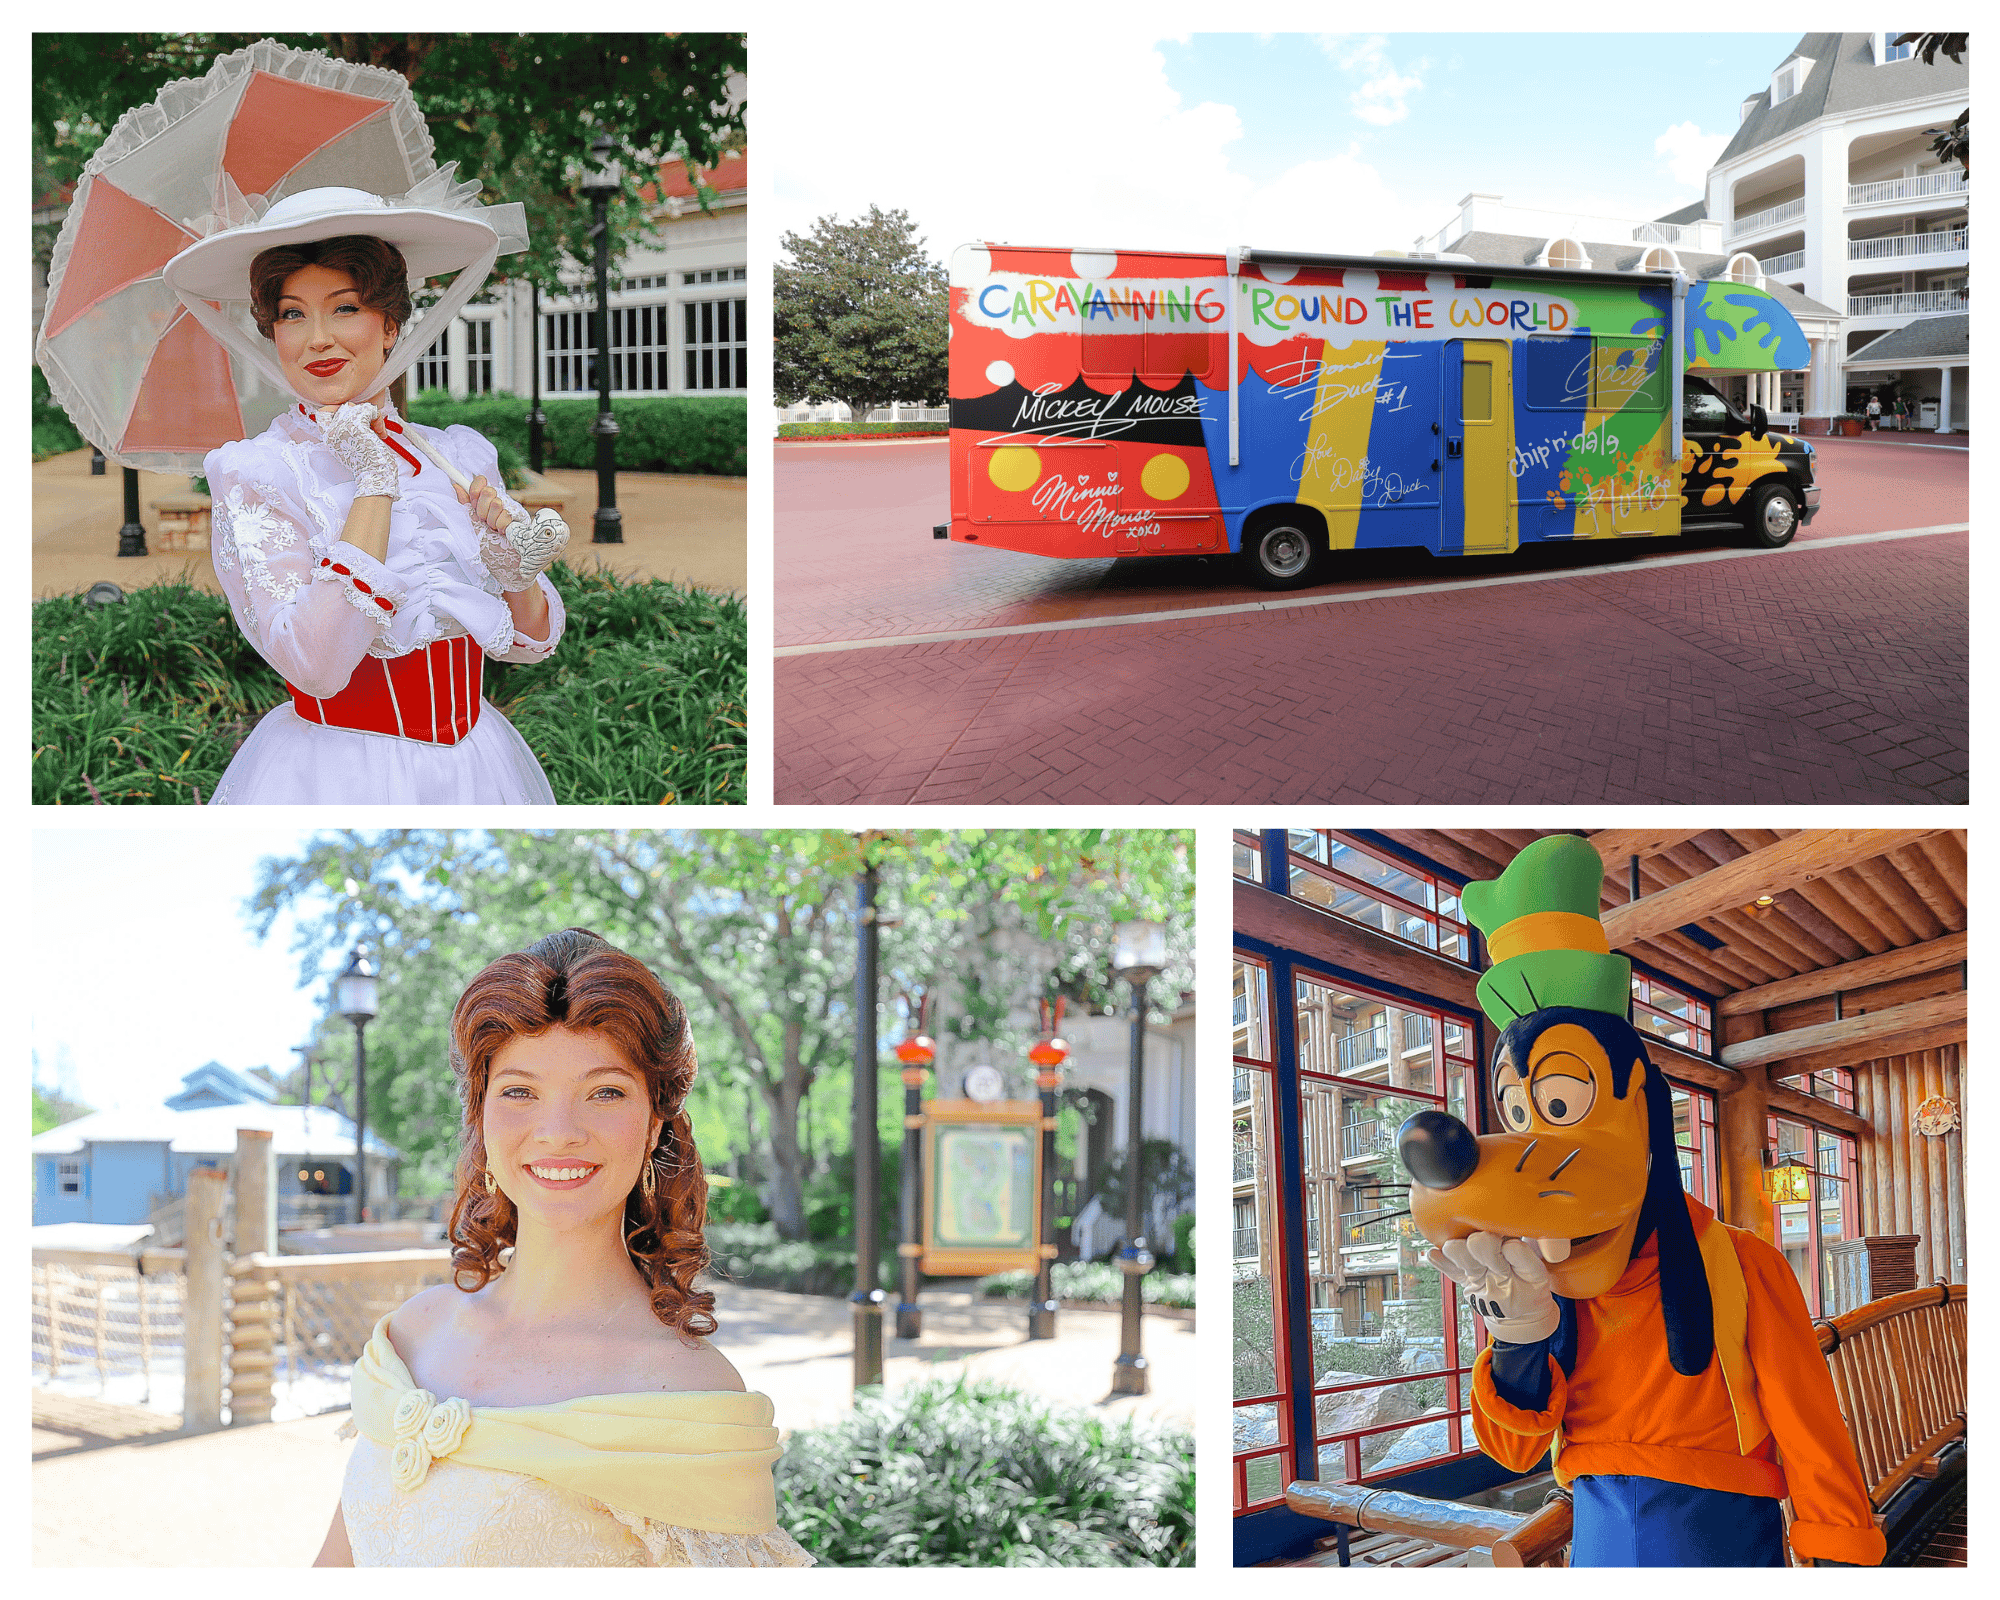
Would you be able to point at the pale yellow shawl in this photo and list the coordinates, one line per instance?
(700, 1459)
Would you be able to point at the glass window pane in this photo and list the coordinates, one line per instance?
(1307, 842)
(1478, 405)
(1254, 1253)
(1359, 864)
(1246, 861)
(1265, 1478)
(1250, 1011)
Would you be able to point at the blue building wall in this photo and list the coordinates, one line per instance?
(51, 1204)
(123, 1178)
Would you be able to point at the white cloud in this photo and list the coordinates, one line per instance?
(1382, 98)
(1689, 153)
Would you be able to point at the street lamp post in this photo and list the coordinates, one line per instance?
(867, 1297)
(355, 995)
(1048, 1055)
(537, 420)
(916, 1054)
(604, 179)
(1138, 953)
(132, 537)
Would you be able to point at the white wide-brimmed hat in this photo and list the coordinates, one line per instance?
(433, 241)
(439, 226)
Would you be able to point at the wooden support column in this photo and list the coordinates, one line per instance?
(201, 1400)
(1740, 1112)
(253, 1331)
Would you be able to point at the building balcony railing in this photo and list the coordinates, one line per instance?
(1760, 221)
(1920, 188)
(1925, 302)
(1244, 1244)
(1359, 1050)
(1244, 1163)
(1790, 261)
(1359, 1140)
(1898, 245)
(1658, 233)
(1244, 1080)
(1416, 1031)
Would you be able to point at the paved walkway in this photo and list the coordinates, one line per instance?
(1689, 671)
(111, 1489)
(679, 526)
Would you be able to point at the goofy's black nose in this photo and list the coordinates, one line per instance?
(1438, 1150)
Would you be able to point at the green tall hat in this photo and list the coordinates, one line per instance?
(1542, 934)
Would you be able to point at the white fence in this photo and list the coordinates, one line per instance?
(1922, 303)
(109, 1320)
(1759, 221)
(1944, 241)
(1952, 181)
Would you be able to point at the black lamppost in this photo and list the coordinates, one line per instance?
(867, 1297)
(604, 179)
(132, 537)
(536, 419)
(355, 994)
(916, 1054)
(1138, 953)
(1048, 1054)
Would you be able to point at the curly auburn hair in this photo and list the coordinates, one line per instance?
(575, 979)
(381, 277)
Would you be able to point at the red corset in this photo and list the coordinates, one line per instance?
(430, 695)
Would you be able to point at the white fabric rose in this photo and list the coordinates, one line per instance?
(445, 1429)
(409, 1464)
(413, 1410)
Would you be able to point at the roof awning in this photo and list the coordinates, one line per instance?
(1733, 327)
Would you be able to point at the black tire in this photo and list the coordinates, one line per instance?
(1771, 515)
(1284, 548)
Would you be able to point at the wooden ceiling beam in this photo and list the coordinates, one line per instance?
(1444, 850)
(1878, 1028)
(1789, 1102)
(1805, 858)
(1618, 845)
(1829, 902)
(1900, 897)
(1780, 934)
(1907, 962)
(1929, 885)
(1748, 956)
(1946, 852)
(1934, 1036)
(1678, 1063)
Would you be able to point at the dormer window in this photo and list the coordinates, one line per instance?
(1887, 50)
(1789, 79)
(1661, 258)
(1744, 268)
(1567, 253)
(1749, 106)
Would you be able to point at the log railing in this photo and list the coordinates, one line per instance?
(1899, 1369)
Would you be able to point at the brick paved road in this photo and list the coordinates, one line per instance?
(1822, 673)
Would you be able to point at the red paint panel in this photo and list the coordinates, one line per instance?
(187, 400)
(279, 123)
(118, 241)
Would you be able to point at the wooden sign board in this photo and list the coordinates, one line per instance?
(982, 1187)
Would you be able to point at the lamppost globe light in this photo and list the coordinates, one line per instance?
(604, 176)
(1139, 950)
(918, 1051)
(356, 991)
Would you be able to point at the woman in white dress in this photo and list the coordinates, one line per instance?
(564, 1410)
(373, 584)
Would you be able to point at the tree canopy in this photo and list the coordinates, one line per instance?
(517, 111)
(858, 315)
(755, 930)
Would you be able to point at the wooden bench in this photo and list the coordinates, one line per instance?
(1899, 1369)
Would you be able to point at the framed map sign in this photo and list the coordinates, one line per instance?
(982, 1186)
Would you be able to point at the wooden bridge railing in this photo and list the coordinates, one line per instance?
(1899, 1370)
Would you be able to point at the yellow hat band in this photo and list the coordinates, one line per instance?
(1547, 930)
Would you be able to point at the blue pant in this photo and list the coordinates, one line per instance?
(1644, 1522)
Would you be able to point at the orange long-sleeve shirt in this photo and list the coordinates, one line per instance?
(1626, 1410)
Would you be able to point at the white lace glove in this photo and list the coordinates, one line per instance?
(526, 550)
(1508, 1283)
(360, 449)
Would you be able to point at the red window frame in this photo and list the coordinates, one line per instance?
(1838, 1183)
(1700, 1020)
(1265, 1069)
(1441, 889)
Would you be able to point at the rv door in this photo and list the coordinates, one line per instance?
(1478, 403)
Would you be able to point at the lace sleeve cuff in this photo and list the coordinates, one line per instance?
(365, 583)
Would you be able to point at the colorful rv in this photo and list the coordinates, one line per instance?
(1125, 403)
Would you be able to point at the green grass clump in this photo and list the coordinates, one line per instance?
(977, 1474)
(146, 701)
(1099, 1282)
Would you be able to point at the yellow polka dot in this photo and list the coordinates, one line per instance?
(1165, 478)
(1014, 467)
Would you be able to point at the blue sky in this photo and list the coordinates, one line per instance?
(144, 967)
(1106, 134)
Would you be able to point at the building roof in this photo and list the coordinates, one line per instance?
(1928, 338)
(214, 1083)
(1695, 212)
(211, 1130)
(1522, 250)
(730, 175)
(1844, 78)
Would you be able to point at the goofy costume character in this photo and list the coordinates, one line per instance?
(1665, 1361)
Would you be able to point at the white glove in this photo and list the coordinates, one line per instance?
(1508, 1283)
(527, 549)
(360, 449)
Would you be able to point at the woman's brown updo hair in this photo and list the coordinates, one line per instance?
(381, 279)
(574, 979)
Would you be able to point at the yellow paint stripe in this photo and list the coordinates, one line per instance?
(1337, 437)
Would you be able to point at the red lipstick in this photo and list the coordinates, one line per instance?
(326, 369)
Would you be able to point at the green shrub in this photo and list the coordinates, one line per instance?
(751, 1253)
(1099, 1282)
(698, 433)
(839, 430)
(976, 1474)
(145, 701)
(732, 1200)
(1184, 1241)
(52, 432)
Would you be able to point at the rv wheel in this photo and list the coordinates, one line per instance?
(1771, 515)
(1282, 551)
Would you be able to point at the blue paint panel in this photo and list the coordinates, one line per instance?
(1404, 492)
(1551, 392)
(1271, 430)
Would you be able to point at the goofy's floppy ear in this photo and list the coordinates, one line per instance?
(1685, 1306)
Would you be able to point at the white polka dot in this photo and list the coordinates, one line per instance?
(970, 264)
(1361, 280)
(1273, 274)
(1000, 374)
(1093, 264)
(1440, 283)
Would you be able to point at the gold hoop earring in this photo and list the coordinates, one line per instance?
(647, 1182)
(491, 1186)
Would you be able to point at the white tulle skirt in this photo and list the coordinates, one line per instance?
(289, 761)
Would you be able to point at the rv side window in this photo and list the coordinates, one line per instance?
(1478, 398)
(1626, 376)
(1554, 372)
(1701, 409)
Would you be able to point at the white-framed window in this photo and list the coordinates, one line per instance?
(1887, 50)
(715, 275)
(639, 353)
(1743, 268)
(434, 365)
(715, 346)
(1564, 253)
(479, 356)
(1660, 258)
(69, 1177)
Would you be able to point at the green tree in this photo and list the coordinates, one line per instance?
(858, 315)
